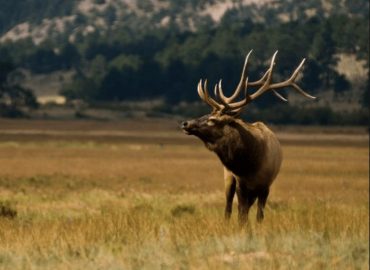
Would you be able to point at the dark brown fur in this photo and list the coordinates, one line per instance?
(250, 154)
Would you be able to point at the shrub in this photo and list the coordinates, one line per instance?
(6, 210)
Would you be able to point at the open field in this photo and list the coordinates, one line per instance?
(123, 195)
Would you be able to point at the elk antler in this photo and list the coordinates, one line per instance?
(203, 93)
(227, 105)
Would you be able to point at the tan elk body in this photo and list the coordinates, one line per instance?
(251, 153)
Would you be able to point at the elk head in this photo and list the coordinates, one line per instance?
(225, 110)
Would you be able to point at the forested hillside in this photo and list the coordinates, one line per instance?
(123, 50)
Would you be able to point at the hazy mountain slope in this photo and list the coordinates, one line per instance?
(113, 50)
(40, 20)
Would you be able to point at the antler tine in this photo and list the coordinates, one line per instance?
(219, 92)
(215, 91)
(295, 73)
(260, 81)
(200, 90)
(267, 81)
(267, 73)
(220, 95)
(279, 96)
(289, 82)
(239, 104)
(241, 85)
(203, 94)
(299, 90)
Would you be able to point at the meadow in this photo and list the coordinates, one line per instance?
(129, 195)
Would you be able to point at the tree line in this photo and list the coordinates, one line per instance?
(169, 64)
(165, 62)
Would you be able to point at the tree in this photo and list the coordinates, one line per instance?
(14, 99)
(44, 60)
(69, 56)
(366, 88)
(110, 15)
(311, 76)
(323, 51)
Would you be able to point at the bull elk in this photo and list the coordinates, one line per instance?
(250, 152)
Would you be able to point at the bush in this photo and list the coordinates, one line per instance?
(6, 210)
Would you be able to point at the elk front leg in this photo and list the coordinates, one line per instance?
(262, 198)
(230, 184)
(246, 198)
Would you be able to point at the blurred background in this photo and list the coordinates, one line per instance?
(116, 59)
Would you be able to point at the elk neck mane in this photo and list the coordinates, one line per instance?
(241, 148)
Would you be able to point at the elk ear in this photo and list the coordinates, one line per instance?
(212, 120)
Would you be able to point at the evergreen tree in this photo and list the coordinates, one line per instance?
(13, 97)
(323, 52)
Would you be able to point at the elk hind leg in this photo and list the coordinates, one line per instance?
(262, 198)
(230, 185)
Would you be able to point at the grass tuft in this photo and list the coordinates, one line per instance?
(180, 210)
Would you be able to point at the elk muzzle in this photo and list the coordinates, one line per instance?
(189, 126)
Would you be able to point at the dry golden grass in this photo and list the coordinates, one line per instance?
(133, 204)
